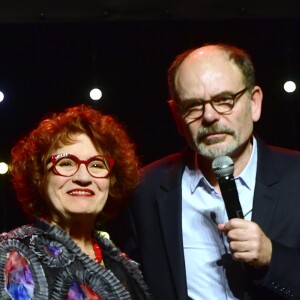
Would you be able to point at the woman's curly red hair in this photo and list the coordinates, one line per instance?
(28, 167)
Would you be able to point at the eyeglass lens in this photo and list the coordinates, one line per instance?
(68, 166)
(221, 104)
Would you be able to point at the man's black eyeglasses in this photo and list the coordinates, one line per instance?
(222, 104)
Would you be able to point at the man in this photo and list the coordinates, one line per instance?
(180, 230)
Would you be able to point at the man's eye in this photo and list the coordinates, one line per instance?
(191, 106)
(195, 108)
(223, 99)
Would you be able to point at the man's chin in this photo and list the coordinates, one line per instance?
(215, 150)
(213, 141)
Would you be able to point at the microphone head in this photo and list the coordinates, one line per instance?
(223, 166)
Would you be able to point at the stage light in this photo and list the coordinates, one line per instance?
(1, 96)
(3, 168)
(95, 94)
(289, 86)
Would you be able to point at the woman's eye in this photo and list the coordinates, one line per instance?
(66, 163)
(98, 164)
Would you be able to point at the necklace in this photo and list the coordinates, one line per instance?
(97, 252)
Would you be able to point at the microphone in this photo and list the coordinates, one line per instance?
(223, 167)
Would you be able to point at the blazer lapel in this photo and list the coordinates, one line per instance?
(265, 195)
(169, 207)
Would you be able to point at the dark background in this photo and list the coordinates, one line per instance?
(52, 53)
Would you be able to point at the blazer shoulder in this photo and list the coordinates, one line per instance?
(162, 162)
(279, 155)
(285, 153)
(170, 163)
(284, 157)
(282, 161)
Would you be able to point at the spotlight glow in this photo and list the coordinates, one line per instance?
(95, 94)
(289, 86)
(1, 96)
(3, 168)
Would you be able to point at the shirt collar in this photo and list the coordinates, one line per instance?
(246, 177)
(195, 177)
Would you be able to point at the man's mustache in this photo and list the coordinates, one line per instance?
(216, 129)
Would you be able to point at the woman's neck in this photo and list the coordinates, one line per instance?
(80, 231)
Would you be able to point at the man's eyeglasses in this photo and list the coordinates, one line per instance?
(65, 164)
(222, 104)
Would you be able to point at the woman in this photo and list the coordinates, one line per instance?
(70, 174)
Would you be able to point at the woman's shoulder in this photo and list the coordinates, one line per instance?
(21, 232)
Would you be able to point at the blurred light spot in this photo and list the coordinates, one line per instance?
(1, 96)
(289, 86)
(3, 168)
(95, 94)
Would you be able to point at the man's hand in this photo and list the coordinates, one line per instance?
(247, 242)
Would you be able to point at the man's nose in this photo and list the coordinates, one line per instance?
(209, 113)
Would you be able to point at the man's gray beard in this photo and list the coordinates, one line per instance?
(213, 151)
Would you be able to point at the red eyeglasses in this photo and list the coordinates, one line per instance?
(65, 164)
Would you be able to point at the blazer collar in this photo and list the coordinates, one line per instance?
(169, 208)
(266, 195)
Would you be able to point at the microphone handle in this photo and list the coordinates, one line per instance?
(230, 197)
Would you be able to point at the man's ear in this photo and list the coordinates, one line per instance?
(256, 103)
(176, 116)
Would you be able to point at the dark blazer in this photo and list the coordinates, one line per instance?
(155, 234)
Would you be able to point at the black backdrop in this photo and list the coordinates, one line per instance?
(48, 66)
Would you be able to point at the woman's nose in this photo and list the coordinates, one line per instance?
(82, 174)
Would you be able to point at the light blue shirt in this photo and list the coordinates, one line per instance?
(202, 208)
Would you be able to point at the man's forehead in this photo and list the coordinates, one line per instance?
(207, 52)
(208, 61)
(213, 74)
